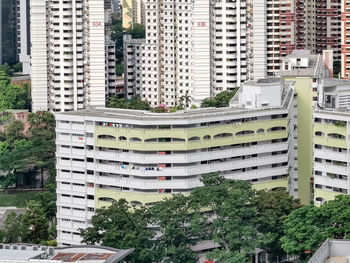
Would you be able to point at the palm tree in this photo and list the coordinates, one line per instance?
(186, 98)
(181, 102)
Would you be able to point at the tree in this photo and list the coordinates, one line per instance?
(338, 212)
(305, 229)
(137, 31)
(185, 100)
(336, 68)
(5, 68)
(117, 36)
(15, 132)
(42, 124)
(119, 69)
(11, 96)
(173, 217)
(136, 103)
(233, 217)
(273, 207)
(47, 201)
(34, 223)
(18, 67)
(11, 231)
(42, 133)
(220, 100)
(15, 162)
(121, 227)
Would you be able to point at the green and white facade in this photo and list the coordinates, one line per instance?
(307, 71)
(106, 154)
(331, 141)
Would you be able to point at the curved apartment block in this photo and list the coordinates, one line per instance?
(331, 141)
(106, 154)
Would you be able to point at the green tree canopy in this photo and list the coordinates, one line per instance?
(47, 201)
(22, 154)
(121, 227)
(30, 227)
(220, 100)
(137, 31)
(338, 212)
(12, 96)
(174, 218)
(15, 162)
(136, 103)
(15, 132)
(233, 217)
(18, 67)
(308, 227)
(34, 223)
(273, 207)
(11, 231)
(305, 230)
(6, 69)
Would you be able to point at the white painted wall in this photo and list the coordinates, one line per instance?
(200, 51)
(260, 39)
(39, 77)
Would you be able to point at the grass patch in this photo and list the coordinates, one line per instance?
(17, 199)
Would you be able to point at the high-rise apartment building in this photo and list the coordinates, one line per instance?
(229, 44)
(331, 141)
(8, 32)
(70, 49)
(107, 154)
(133, 13)
(176, 55)
(345, 39)
(308, 72)
(247, 41)
(132, 49)
(328, 27)
(23, 34)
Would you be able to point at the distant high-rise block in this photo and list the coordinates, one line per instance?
(132, 66)
(177, 52)
(72, 54)
(8, 32)
(345, 39)
(23, 34)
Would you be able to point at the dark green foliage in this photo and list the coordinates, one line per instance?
(234, 224)
(338, 212)
(225, 211)
(220, 100)
(185, 100)
(18, 67)
(10, 231)
(308, 227)
(336, 68)
(34, 223)
(14, 161)
(12, 96)
(47, 201)
(304, 231)
(137, 31)
(30, 227)
(119, 69)
(5, 68)
(273, 208)
(117, 36)
(22, 154)
(120, 227)
(135, 103)
(172, 216)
